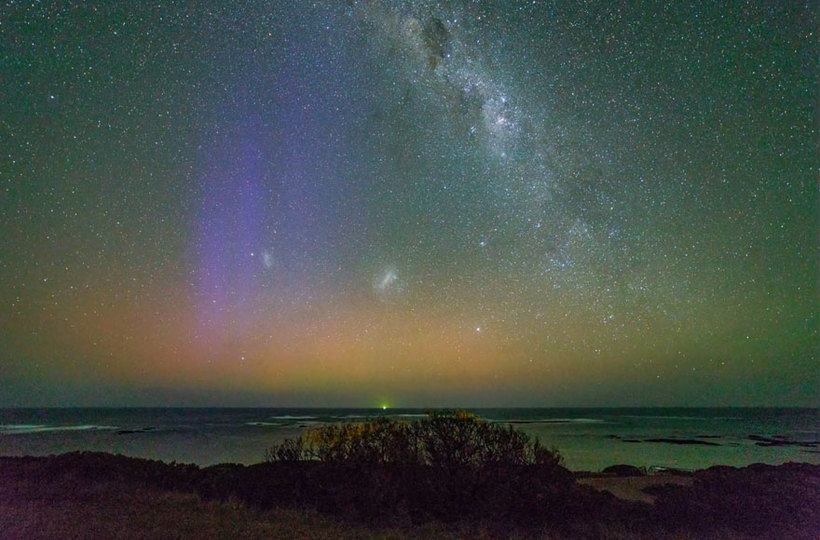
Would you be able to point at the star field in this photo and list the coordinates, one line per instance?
(414, 202)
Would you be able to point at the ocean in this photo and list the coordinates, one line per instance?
(588, 439)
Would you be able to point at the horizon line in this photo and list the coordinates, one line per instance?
(418, 408)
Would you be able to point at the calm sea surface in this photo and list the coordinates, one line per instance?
(589, 439)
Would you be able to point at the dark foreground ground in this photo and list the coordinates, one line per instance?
(93, 495)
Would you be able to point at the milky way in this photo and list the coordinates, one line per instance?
(414, 203)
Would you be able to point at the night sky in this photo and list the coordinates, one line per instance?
(409, 203)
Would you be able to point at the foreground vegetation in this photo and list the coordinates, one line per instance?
(448, 475)
(99, 509)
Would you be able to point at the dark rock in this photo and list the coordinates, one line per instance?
(682, 441)
(624, 470)
(780, 440)
(136, 430)
(762, 501)
(671, 471)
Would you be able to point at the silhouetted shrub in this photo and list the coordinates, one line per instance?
(289, 450)
(448, 466)
(444, 439)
